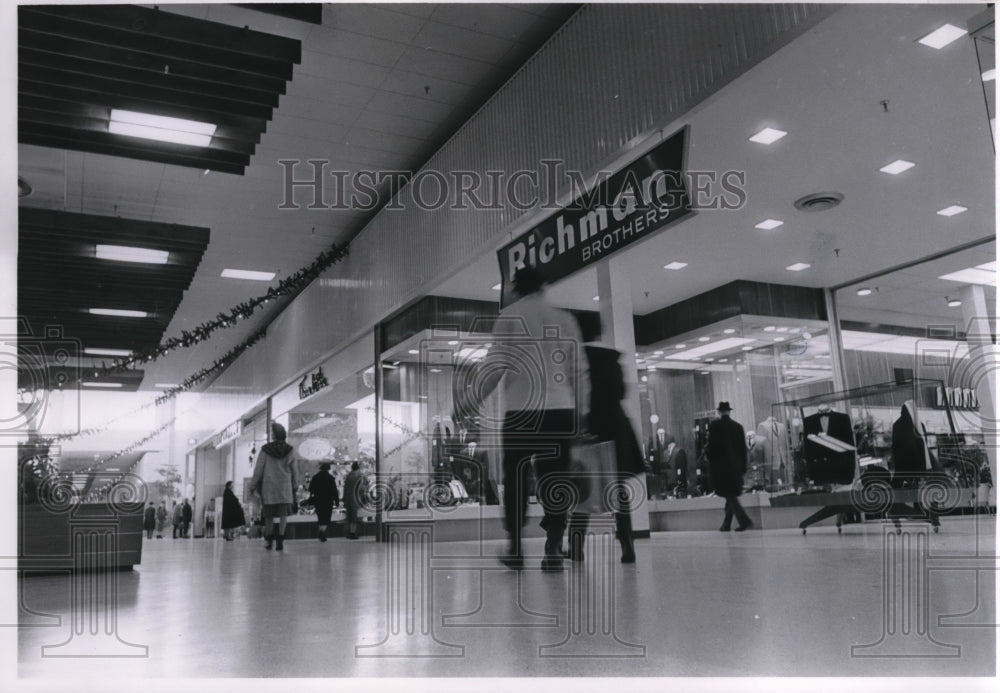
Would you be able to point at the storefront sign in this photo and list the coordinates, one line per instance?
(644, 197)
(956, 398)
(312, 383)
(230, 432)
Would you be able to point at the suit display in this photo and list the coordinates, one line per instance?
(825, 466)
(471, 467)
(676, 458)
(776, 446)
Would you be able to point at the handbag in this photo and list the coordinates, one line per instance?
(594, 471)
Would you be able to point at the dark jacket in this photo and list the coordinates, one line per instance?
(909, 450)
(323, 489)
(149, 518)
(186, 512)
(232, 511)
(353, 490)
(727, 456)
(607, 419)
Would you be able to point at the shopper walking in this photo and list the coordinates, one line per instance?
(186, 516)
(274, 481)
(149, 520)
(537, 362)
(177, 518)
(727, 463)
(353, 490)
(606, 421)
(232, 512)
(161, 519)
(323, 490)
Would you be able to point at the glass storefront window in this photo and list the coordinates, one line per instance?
(752, 362)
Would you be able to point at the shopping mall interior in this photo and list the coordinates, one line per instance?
(235, 215)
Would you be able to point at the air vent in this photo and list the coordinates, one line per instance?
(819, 202)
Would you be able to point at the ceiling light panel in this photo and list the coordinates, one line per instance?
(769, 224)
(798, 267)
(254, 275)
(119, 313)
(972, 275)
(768, 136)
(712, 348)
(897, 167)
(162, 128)
(675, 265)
(942, 36)
(952, 210)
(123, 253)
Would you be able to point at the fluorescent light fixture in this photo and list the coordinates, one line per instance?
(471, 353)
(162, 128)
(982, 274)
(723, 360)
(942, 36)
(990, 75)
(254, 275)
(124, 253)
(657, 353)
(413, 352)
(495, 287)
(435, 370)
(681, 346)
(94, 351)
(115, 312)
(798, 267)
(768, 136)
(952, 211)
(703, 372)
(770, 328)
(782, 329)
(105, 385)
(166, 386)
(704, 339)
(597, 298)
(748, 348)
(706, 349)
(779, 339)
(953, 303)
(897, 167)
(675, 265)
(864, 291)
(452, 342)
(729, 330)
(769, 224)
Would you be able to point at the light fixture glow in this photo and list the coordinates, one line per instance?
(254, 275)
(864, 291)
(782, 329)
(748, 348)
(706, 349)
(681, 346)
(981, 274)
(952, 211)
(675, 265)
(413, 352)
(769, 224)
(897, 167)
(954, 303)
(657, 353)
(115, 312)
(704, 339)
(495, 287)
(990, 75)
(942, 36)
(768, 136)
(770, 328)
(124, 253)
(166, 386)
(94, 351)
(162, 128)
(105, 385)
(597, 298)
(452, 342)
(798, 267)
(779, 339)
(729, 330)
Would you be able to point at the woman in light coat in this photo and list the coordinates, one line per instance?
(274, 481)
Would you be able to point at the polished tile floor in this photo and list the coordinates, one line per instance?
(866, 602)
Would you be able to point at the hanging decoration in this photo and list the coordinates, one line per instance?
(289, 285)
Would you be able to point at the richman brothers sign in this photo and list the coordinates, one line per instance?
(646, 196)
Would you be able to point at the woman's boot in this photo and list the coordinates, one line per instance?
(281, 542)
(624, 527)
(553, 560)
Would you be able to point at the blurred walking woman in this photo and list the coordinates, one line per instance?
(323, 490)
(232, 512)
(274, 481)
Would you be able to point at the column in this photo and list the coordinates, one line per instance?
(615, 289)
(981, 366)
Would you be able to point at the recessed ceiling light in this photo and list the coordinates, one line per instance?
(798, 267)
(952, 211)
(106, 385)
(597, 298)
(166, 386)
(94, 351)
(115, 312)
(864, 291)
(644, 379)
(435, 370)
(942, 36)
(782, 329)
(768, 136)
(124, 253)
(748, 348)
(710, 359)
(680, 346)
(723, 360)
(704, 339)
(495, 287)
(954, 303)
(453, 342)
(704, 372)
(657, 353)
(897, 166)
(779, 339)
(413, 352)
(162, 128)
(675, 265)
(254, 275)
(768, 224)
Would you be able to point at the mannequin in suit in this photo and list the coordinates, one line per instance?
(676, 458)
(471, 467)
(824, 465)
(776, 447)
(656, 480)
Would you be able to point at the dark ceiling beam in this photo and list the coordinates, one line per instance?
(311, 12)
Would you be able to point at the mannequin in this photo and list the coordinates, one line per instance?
(826, 466)
(775, 444)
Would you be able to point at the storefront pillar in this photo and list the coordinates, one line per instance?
(836, 341)
(981, 367)
(615, 290)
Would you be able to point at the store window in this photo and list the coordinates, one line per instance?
(752, 362)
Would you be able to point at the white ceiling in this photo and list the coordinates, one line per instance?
(825, 89)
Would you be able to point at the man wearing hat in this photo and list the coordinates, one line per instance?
(324, 495)
(727, 463)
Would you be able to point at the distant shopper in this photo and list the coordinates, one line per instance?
(161, 519)
(149, 520)
(232, 512)
(186, 515)
(352, 498)
(727, 463)
(177, 518)
(274, 481)
(323, 489)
